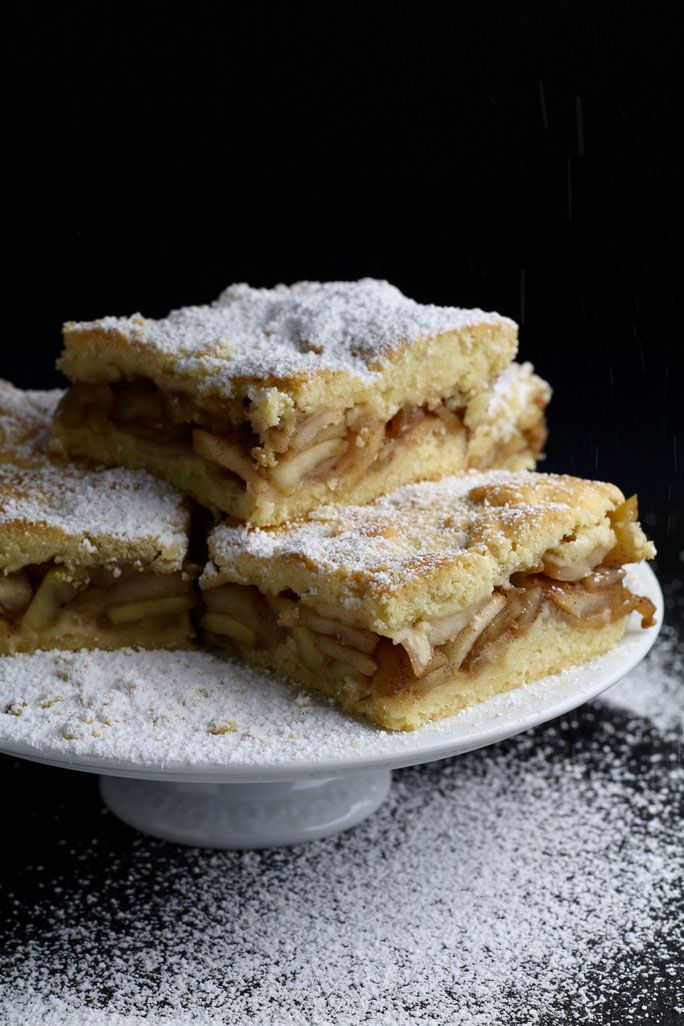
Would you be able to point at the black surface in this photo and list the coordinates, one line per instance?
(519, 157)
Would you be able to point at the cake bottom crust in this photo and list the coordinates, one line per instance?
(549, 645)
(71, 633)
(436, 454)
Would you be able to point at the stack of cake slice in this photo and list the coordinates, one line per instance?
(379, 535)
(436, 596)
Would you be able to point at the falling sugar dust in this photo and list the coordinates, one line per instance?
(526, 883)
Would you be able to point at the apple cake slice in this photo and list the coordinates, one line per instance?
(88, 558)
(434, 597)
(270, 402)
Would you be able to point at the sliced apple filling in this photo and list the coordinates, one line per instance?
(427, 654)
(46, 599)
(329, 444)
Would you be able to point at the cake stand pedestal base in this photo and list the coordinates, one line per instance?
(256, 815)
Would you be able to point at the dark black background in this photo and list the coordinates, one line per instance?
(515, 156)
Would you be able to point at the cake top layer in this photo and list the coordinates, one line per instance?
(294, 329)
(260, 352)
(406, 554)
(25, 418)
(81, 516)
(73, 513)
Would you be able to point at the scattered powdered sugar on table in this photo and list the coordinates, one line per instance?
(654, 690)
(292, 329)
(537, 882)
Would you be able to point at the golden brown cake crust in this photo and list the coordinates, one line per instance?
(83, 517)
(424, 547)
(305, 345)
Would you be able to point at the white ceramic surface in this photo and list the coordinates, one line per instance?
(285, 798)
(269, 815)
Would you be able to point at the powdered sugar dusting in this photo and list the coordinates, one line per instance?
(25, 418)
(128, 505)
(348, 327)
(536, 882)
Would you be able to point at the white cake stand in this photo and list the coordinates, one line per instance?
(283, 798)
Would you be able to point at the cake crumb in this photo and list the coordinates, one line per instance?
(49, 701)
(223, 727)
(15, 708)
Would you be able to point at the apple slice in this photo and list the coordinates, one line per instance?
(57, 588)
